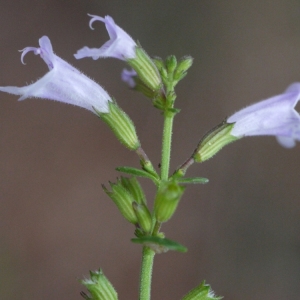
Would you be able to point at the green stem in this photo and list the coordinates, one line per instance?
(183, 168)
(166, 145)
(156, 228)
(146, 273)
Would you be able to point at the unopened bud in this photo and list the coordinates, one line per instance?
(123, 200)
(143, 216)
(167, 199)
(134, 188)
(214, 141)
(159, 63)
(121, 125)
(99, 287)
(183, 65)
(171, 64)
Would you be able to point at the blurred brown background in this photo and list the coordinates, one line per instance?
(242, 229)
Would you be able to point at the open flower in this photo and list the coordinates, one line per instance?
(123, 47)
(62, 83)
(275, 116)
(120, 45)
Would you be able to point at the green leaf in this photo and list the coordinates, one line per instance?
(159, 245)
(201, 292)
(138, 173)
(193, 180)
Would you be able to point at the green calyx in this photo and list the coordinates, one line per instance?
(146, 69)
(99, 287)
(201, 292)
(173, 71)
(144, 217)
(123, 200)
(214, 141)
(134, 188)
(121, 125)
(167, 199)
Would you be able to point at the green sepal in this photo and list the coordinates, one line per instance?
(145, 69)
(159, 62)
(159, 245)
(179, 78)
(144, 216)
(192, 180)
(140, 86)
(213, 141)
(138, 173)
(166, 200)
(121, 125)
(99, 287)
(183, 65)
(201, 292)
(123, 200)
(139, 232)
(171, 64)
(134, 188)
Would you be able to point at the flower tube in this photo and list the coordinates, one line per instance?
(274, 116)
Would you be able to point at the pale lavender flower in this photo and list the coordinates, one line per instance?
(274, 116)
(128, 77)
(120, 45)
(62, 83)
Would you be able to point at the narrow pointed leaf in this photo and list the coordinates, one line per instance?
(137, 172)
(193, 180)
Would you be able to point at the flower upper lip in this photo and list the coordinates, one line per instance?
(120, 45)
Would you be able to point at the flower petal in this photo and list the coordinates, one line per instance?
(62, 83)
(273, 116)
(128, 77)
(120, 45)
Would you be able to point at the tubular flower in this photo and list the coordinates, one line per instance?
(62, 83)
(274, 116)
(120, 45)
(123, 47)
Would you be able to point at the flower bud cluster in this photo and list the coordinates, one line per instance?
(172, 71)
(130, 199)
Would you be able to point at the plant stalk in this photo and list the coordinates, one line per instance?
(166, 146)
(146, 273)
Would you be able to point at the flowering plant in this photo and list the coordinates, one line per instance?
(155, 79)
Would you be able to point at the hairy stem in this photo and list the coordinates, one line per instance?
(146, 273)
(166, 147)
